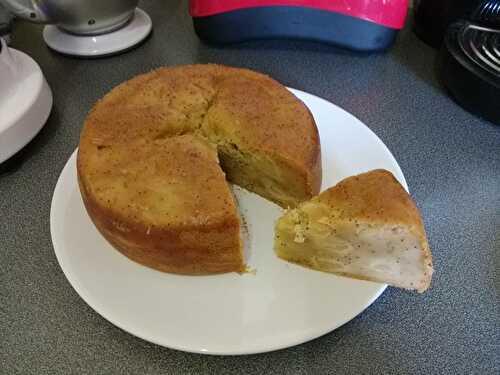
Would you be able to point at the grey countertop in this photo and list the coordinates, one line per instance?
(450, 158)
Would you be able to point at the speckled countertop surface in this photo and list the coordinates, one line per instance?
(451, 160)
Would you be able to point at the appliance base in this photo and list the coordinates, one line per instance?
(289, 22)
(119, 40)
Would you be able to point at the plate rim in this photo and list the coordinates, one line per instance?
(82, 293)
(402, 178)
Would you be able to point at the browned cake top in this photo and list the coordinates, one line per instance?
(375, 196)
(143, 152)
(245, 105)
(255, 110)
(173, 181)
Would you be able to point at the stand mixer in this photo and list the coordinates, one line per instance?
(86, 27)
(25, 100)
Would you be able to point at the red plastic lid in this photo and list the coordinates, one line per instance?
(389, 13)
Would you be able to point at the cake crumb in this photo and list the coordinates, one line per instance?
(249, 271)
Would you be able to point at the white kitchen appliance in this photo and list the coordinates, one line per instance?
(25, 100)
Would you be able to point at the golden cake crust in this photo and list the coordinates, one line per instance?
(149, 172)
(375, 196)
(127, 191)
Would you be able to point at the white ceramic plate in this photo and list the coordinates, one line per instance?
(280, 306)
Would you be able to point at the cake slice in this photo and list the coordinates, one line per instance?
(366, 227)
(266, 138)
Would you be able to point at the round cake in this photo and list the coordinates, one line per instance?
(157, 151)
